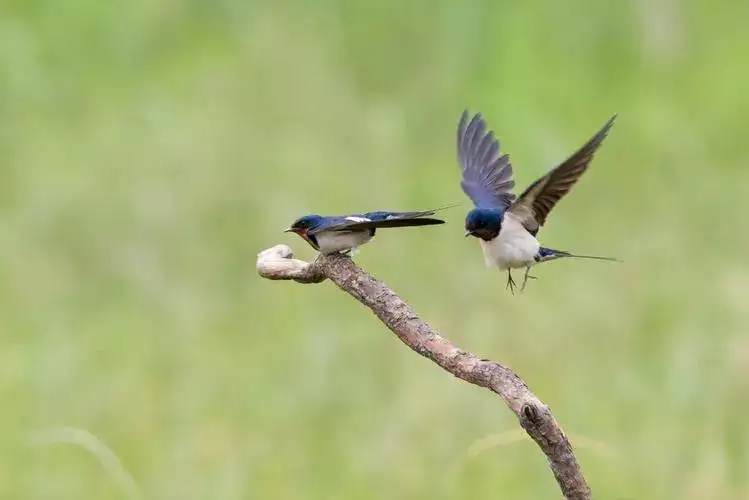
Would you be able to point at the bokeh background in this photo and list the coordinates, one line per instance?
(149, 150)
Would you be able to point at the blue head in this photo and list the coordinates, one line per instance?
(484, 223)
(303, 225)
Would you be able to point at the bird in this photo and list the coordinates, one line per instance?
(345, 233)
(507, 225)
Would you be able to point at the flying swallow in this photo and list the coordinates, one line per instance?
(506, 225)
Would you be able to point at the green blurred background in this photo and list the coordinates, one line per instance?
(149, 150)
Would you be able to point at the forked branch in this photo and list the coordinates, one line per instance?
(534, 416)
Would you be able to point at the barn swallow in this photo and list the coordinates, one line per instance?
(344, 233)
(506, 225)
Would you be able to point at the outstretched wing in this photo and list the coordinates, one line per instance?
(487, 176)
(534, 205)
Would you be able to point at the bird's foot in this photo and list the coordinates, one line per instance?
(510, 282)
(526, 277)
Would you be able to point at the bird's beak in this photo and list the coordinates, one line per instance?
(468, 233)
(288, 230)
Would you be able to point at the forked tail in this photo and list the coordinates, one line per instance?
(547, 254)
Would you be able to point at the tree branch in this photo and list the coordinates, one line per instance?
(278, 263)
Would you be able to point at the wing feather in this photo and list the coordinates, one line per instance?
(401, 222)
(534, 205)
(371, 220)
(486, 176)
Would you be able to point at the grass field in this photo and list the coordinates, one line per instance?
(149, 150)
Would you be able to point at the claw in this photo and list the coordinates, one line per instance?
(510, 282)
(526, 277)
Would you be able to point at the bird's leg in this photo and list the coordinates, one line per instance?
(510, 282)
(526, 278)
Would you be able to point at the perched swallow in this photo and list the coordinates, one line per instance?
(344, 233)
(507, 225)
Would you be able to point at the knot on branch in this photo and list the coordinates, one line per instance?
(530, 413)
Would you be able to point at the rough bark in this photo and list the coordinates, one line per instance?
(534, 416)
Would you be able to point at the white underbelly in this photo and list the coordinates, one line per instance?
(514, 247)
(337, 241)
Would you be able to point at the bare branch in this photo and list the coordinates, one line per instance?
(534, 416)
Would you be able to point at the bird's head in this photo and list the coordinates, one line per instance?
(302, 225)
(483, 223)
